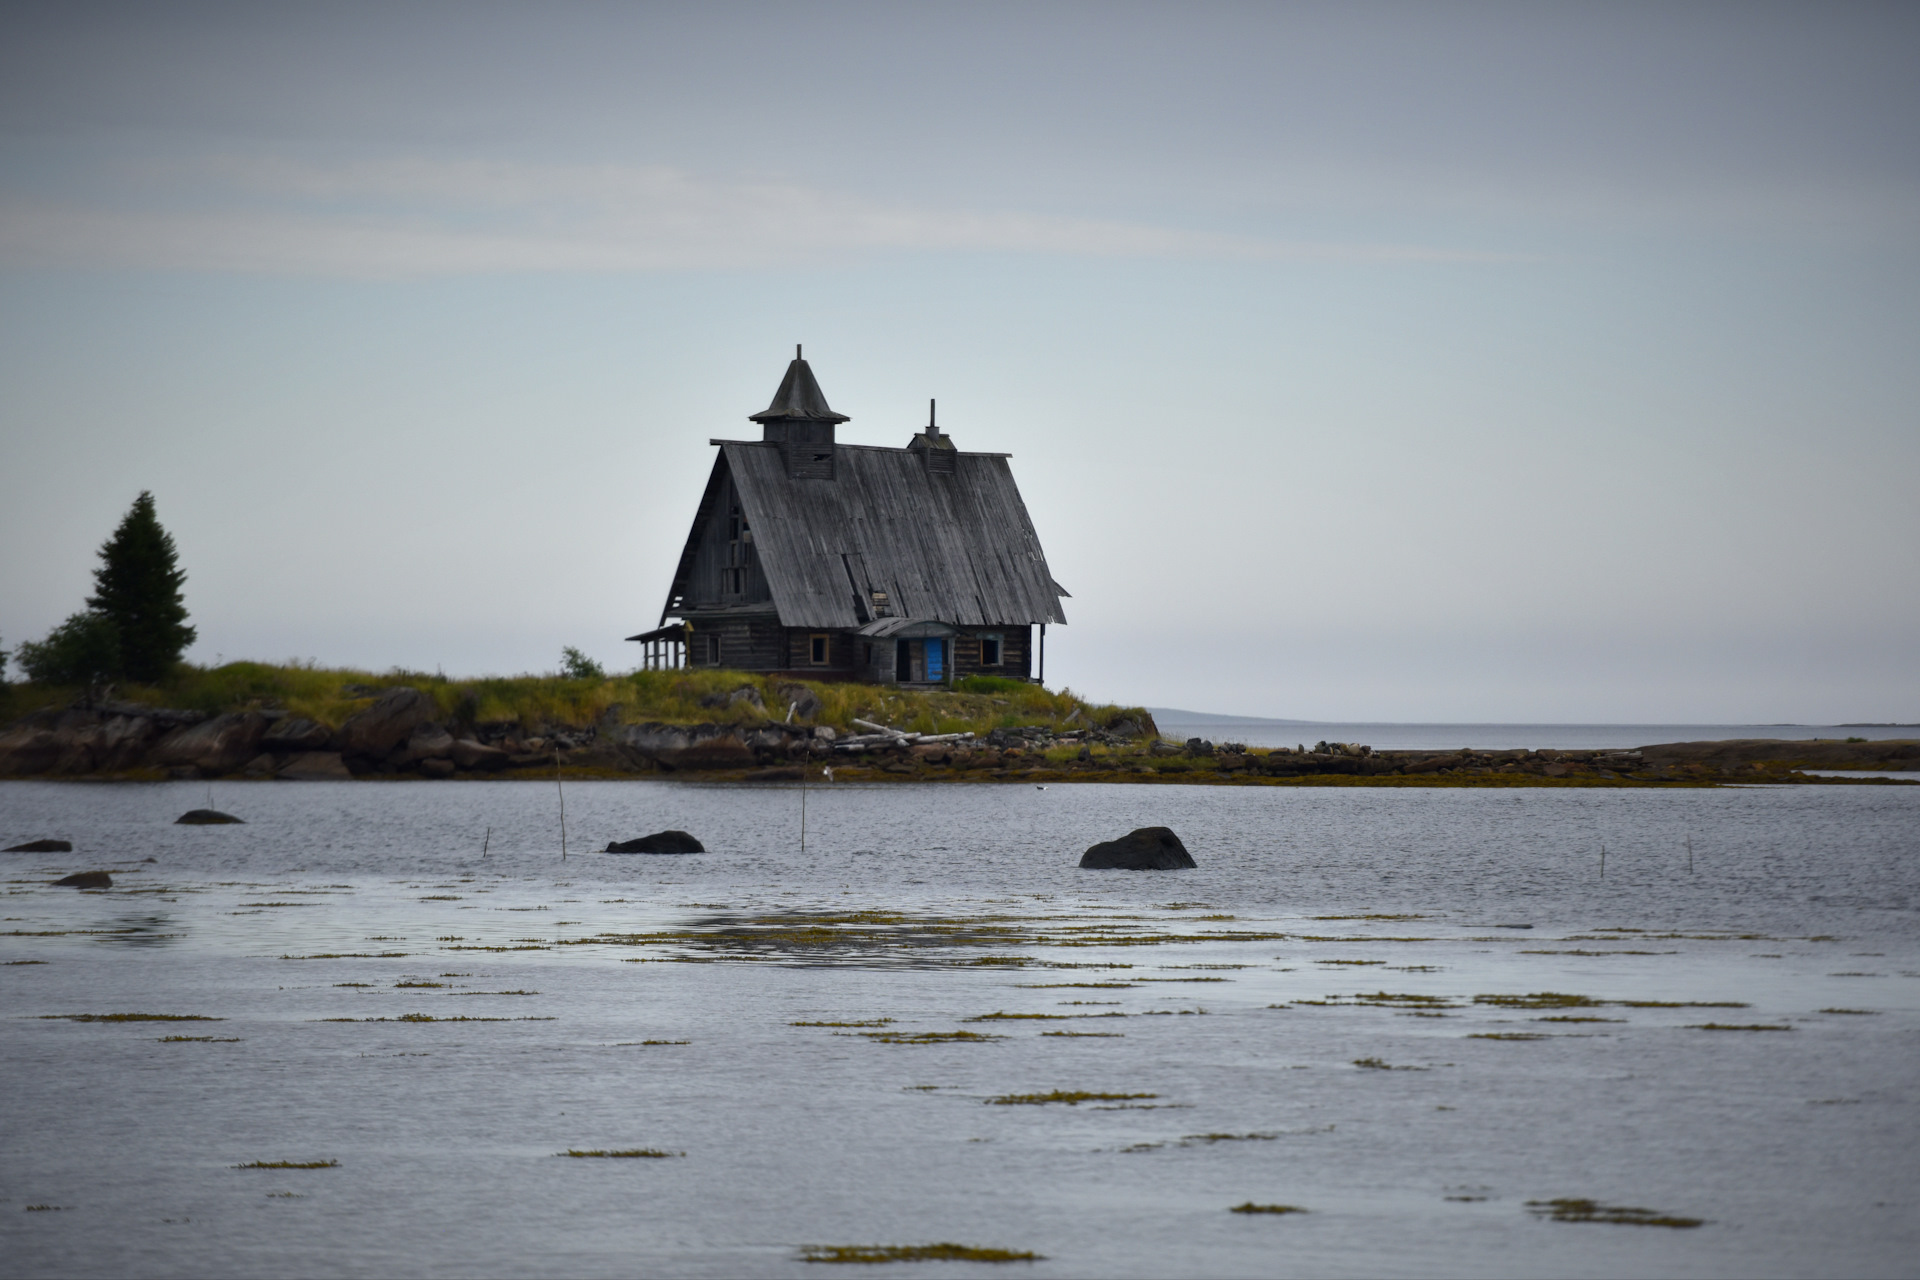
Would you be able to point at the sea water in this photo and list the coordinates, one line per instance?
(1341, 1009)
(1386, 736)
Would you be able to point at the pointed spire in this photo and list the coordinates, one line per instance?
(799, 396)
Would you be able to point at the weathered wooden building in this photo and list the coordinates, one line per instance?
(813, 557)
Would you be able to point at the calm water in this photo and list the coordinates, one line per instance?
(1797, 1147)
(1495, 737)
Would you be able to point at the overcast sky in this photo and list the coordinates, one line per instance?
(1402, 362)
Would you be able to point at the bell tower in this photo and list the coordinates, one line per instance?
(801, 423)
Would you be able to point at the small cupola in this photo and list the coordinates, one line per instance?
(936, 450)
(801, 423)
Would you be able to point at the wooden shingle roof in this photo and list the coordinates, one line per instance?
(958, 547)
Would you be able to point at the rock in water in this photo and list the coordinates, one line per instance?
(43, 846)
(86, 880)
(1145, 849)
(659, 842)
(204, 818)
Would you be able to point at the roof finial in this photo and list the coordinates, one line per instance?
(796, 351)
(931, 431)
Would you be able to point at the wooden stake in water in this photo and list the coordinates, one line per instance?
(486, 842)
(1689, 853)
(563, 803)
(803, 805)
(1603, 862)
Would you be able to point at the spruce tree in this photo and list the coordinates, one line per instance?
(137, 589)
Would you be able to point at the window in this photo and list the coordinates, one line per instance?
(881, 609)
(710, 647)
(817, 650)
(989, 651)
(735, 581)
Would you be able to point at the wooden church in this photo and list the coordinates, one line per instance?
(812, 557)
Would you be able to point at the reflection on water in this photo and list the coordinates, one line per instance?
(141, 931)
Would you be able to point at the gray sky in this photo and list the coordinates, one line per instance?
(1409, 361)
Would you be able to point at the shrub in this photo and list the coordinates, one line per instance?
(989, 684)
(575, 665)
(84, 649)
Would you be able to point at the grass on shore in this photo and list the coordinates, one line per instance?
(331, 694)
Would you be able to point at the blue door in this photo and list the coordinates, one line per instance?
(936, 660)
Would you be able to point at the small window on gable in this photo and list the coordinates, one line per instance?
(881, 607)
(989, 651)
(817, 650)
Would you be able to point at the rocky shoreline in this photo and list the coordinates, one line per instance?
(399, 736)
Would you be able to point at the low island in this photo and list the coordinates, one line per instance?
(261, 721)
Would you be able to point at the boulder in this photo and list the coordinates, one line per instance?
(388, 723)
(802, 701)
(1144, 849)
(1126, 727)
(296, 733)
(52, 740)
(427, 742)
(436, 768)
(86, 880)
(42, 846)
(315, 766)
(469, 754)
(686, 746)
(1199, 747)
(261, 766)
(204, 818)
(27, 746)
(124, 740)
(219, 745)
(749, 695)
(659, 842)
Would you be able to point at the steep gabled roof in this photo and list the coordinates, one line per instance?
(958, 548)
(799, 396)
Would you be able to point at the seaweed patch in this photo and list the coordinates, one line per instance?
(928, 1037)
(1571, 1210)
(129, 1017)
(290, 1164)
(1251, 1207)
(1068, 1097)
(945, 1252)
(632, 1153)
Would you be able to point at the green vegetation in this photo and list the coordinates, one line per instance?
(1251, 1207)
(910, 1253)
(135, 627)
(1567, 1210)
(580, 697)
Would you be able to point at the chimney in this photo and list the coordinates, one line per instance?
(936, 450)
